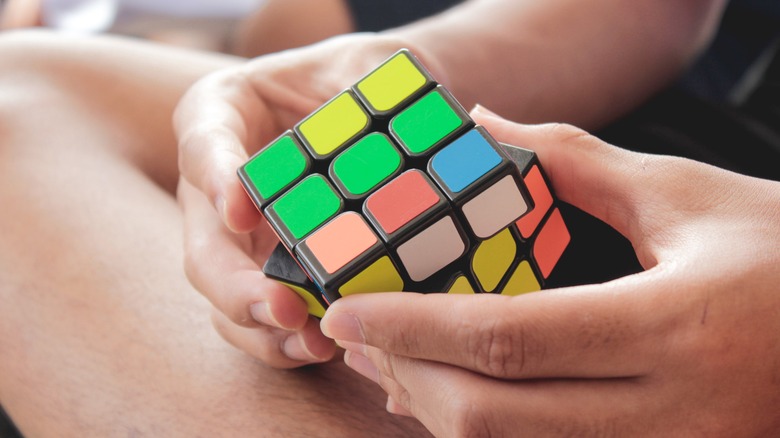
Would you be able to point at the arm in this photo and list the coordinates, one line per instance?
(283, 24)
(566, 60)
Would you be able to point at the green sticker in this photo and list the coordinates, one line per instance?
(307, 205)
(276, 166)
(364, 165)
(426, 122)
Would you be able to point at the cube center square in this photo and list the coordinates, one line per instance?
(390, 186)
(365, 164)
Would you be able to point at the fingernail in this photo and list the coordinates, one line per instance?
(220, 203)
(343, 327)
(395, 408)
(295, 348)
(361, 365)
(356, 347)
(479, 109)
(262, 313)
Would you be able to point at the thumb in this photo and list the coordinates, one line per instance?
(586, 172)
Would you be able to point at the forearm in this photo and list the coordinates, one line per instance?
(564, 60)
(284, 24)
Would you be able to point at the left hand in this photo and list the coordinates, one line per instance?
(689, 347)
(220, 122)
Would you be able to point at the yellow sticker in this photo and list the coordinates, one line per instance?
(314, 306)
(461, 286)
(522, 281)
(392, 83)
(493, 259)
(380, 276)
(334, 124)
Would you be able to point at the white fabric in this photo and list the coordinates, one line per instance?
(89, 16)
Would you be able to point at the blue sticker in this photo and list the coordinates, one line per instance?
(464, 161)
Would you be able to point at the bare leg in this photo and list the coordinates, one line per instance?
(100, 333)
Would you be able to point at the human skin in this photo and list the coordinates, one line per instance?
(102, 335)
(688, 347)
(284, 24)
(20, 13)
(564, 51)
(276, 25)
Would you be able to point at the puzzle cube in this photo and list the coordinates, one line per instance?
(390, 186)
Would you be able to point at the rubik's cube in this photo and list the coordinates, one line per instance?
(390, 186)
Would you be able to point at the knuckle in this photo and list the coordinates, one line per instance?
(387, 365)
(198, 258)
(403, 397)
(226, 330)
(266, 348)
(194, 140)
(194, 251)
(191, 270)
(469, 419)
(498, 349)
(577, 138)
(563, 132)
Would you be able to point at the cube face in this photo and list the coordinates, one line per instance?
(412, 197)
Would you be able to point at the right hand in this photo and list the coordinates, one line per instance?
(220, 122)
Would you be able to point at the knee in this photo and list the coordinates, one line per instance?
(19, 48)
(31, 58)
(25, 73)
(23, 55)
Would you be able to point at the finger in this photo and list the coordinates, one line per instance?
(451, 401)
(219, 267)
(612, 184)
(213, 138)
(583, 332)
(275, 347)
(397, 408)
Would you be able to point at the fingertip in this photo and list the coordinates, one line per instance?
(503, 129)
(321, 347)
(396, 408)
(342, 326)
(281, 308)
(237, 211)
(208, 159)
(481, 111)
(304, 347)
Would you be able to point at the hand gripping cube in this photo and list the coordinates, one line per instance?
(390, 186)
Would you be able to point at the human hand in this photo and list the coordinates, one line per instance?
(222, 120)
(20, 14)
(688, 347)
